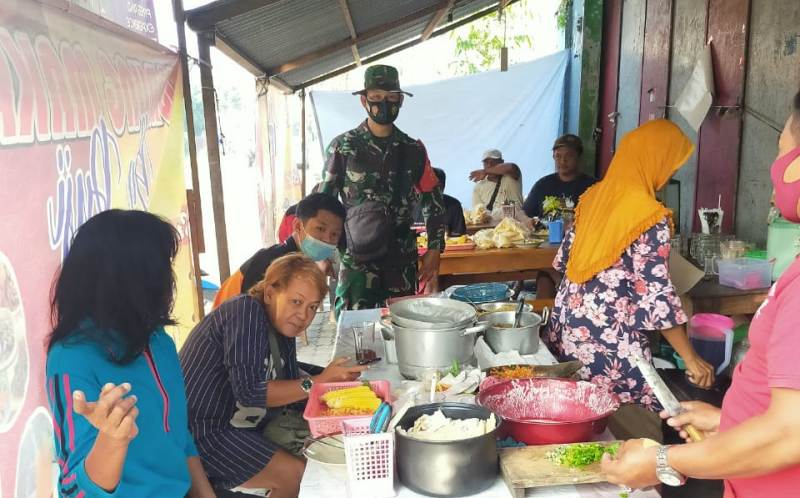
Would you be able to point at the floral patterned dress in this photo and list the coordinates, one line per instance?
(601, 321)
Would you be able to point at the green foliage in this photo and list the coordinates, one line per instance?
(563, 13)
(478, 43)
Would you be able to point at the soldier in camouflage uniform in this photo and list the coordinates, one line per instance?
(378, 162)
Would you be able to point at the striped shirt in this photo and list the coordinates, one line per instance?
(227, 366)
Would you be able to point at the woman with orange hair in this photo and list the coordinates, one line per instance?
(617, 284)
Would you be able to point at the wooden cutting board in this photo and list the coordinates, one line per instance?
(529, 467)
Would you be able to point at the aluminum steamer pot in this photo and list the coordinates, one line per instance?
(447, 468)
(524, 338)
(419, 350)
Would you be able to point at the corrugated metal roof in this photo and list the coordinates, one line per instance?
(303, 40)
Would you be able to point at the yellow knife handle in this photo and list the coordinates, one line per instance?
(695, 435)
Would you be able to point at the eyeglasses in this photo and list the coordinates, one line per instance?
(381, 95)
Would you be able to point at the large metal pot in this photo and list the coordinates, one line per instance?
(447, 468)
(419, 350)
(432, 313)
(502, 336)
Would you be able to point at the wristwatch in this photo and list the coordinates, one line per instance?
(305, 384)
(664, 472)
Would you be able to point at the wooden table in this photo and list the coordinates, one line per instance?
(708, 296)
(494, 265)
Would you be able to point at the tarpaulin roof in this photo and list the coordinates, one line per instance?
(297, 43)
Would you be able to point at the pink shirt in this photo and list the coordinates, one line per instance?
(771, 362)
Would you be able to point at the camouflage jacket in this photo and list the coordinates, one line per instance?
(361, 167)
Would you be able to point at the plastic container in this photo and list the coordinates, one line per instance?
(370, 460)
(321, 425)
(555, 231)
(745, 273)
(783, 244)
(712, 338)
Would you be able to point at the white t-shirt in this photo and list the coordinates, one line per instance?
(510, 190)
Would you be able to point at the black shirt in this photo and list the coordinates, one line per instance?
(253, 269)
(551, 185)
(454, 222)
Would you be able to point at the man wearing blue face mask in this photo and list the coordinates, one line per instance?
(316, 233)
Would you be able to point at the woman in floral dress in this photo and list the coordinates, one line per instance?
(615, 260)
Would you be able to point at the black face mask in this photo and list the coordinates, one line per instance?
(383, 112)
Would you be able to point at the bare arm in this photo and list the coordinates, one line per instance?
(504, 169)
(201, 488)
(701, 373)
(762, 445)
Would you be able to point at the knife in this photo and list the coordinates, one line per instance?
(665, 396)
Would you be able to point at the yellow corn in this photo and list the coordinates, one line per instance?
(341, 412)
(350, 400)
(366, 404)
(342, 393)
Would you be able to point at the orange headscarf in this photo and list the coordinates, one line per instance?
(613, 213)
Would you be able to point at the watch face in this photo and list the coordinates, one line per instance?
(305, 385)
(669, 478)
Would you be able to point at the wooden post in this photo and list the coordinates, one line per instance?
(303, 142)
(193, 196)
(212, 145)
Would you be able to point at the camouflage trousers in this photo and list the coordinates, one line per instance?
(369, 286)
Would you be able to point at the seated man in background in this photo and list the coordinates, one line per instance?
(566, 183)
(455, 225)
(497, 183)
(316, 232)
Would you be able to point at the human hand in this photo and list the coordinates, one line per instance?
(113, 415)
(429, 270)
(699, 372)
(478, 175)
(634, 466)
(338, 371)
(326, 267)
(702, 416)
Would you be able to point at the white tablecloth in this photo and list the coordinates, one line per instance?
(325, 481)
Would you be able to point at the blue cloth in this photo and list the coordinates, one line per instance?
(156, 462)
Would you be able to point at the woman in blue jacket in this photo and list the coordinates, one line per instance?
(110, 361)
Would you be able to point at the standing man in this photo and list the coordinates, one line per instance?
(380, 172)
(497, 183)
(567, 182)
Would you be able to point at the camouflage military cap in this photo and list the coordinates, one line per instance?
(382, 77)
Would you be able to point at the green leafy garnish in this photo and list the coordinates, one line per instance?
(578, 456)
(455, 369)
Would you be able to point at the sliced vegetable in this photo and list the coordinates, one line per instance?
(578, 456)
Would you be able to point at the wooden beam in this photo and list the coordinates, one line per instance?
(503, 4)
(206, 17)
(193, 196)
(223, 45)
(403, 46)
(348, 20)
(281, 85)
(212, 146)
(310, 57)
(436, 19)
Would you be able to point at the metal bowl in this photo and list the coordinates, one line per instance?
(447, 468)
(501, 306)
(550, 411)
(432, 313)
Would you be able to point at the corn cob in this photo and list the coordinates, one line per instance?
(342, 402)
(343, 393)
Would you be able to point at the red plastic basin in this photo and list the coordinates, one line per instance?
(550, 411)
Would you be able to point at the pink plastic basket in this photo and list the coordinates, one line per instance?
(321, 425)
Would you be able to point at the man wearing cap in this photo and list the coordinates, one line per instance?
(497, 183)
(566, 183)
(380, 173)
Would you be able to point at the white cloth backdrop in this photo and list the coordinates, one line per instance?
(518, 112)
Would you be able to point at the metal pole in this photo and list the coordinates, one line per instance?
(212, 145)
(193, 199)
(303, 141)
